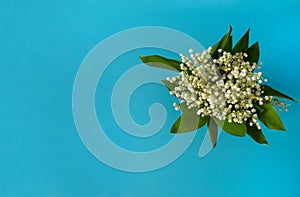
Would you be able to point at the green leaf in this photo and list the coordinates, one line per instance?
(169, 85)
(232, 128)
(259, 108)
(188, 121)
(270, 117)
(268, 91)
(228, 45)
(213, 131)
(161, 62)
(213, 52)
(224, 43)
(256, 134)
(253, 53)
(242, 44)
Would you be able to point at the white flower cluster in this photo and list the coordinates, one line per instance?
(226, 88)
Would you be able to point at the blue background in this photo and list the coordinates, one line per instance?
(42, 44)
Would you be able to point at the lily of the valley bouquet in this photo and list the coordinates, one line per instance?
(223, 87)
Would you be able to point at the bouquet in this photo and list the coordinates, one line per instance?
(223, 87)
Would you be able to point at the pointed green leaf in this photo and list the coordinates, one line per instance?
(259, 108)
(270, 117)
(213, 132)
(226, 38)
(188, 121)
(242, 44)
(223, 43)
(213, 52)
(253, 53)
(161, 62)
(256, 134)
(228, 45)
(268, 91)
(232, 128)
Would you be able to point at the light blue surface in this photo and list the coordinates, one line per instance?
(42, 44)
